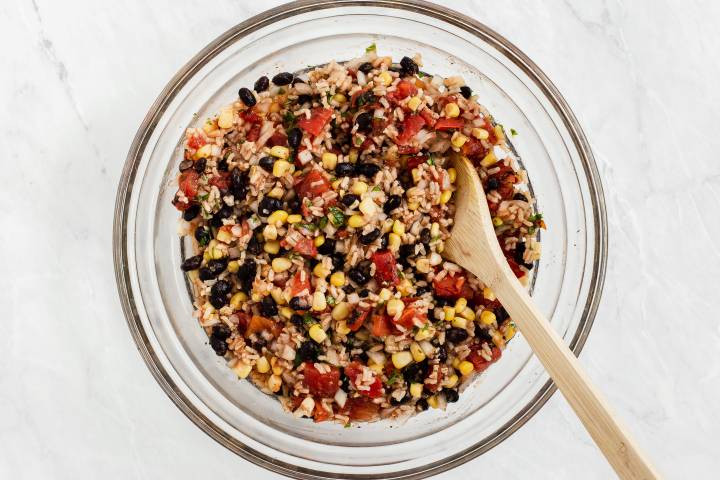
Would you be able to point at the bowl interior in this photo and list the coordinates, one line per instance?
(156, 296)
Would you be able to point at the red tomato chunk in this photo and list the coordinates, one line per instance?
(317, 121)
(323, 385)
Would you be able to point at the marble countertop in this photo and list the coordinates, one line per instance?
(76, 400)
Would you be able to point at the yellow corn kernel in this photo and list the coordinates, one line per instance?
(341, 311)
(329, 160)
(480, 133)
(384, 295)
(433, 401)
(356, 221)
(320, 271)
(414, 103)
(270, 232)
(395, 307)
(452, 173)
(435, 229)
(368, 206)
(465, 367)
(497, 221)
(353, 155)
(337, 279)
(405, 287)
(456, 362)
(278, 217)
(376, 368)
(467, 314)
(394, 241)
(488, 294)
(203, 151)
(387, 225)
(449, 313)
(272, 247)
(286, 312)
(402, 359)
(319, 302)
(416, 390)
(255, 297)
(509, 332)
(458, 140)
(452, 110)
(274, 383)
(445, 197)
(416, 175)
(339, 98)
(224, 236)
(342, 328)
(280, 152)
(275, 107)
(237, 300)
(277, 295)
(336, 184)
(262, 365)
(242, 370)
(319, 240)
(281, 167)
(281, 264)
(487, 317)
(489, 160)
(398, 227)
(460, 304)
(385, 78)
(499, 133)
(225, 119)
(209, 126)
(276, 192)
(317, 333)
(358, 188)
(417, 352)
(233, 266)
(217, 253)
(294, 218)
(413, 206)
(451, 381)
(276, 368)
(423, 265)
(459, 322)
(207, 254)
(425, 333)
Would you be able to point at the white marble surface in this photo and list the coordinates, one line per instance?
(76, 79)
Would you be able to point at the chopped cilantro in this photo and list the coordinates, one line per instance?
(310, 227)
(393, 377)
(431, 160)
(308, 320)
(376, 188)
(203, 197)
(330, 300)
(536, 217)
(289, 120)
(323, 222)
(336, 216)
(371, 48)
(357, 141)
(513, 132)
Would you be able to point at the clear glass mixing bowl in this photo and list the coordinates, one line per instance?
(148, 250)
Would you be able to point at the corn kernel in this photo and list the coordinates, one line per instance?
(255, 297)
(452, 110)
(262, 365)
(209, 126)
(451, 381)
(278, 217)
(435, 229)
(413, 103)
(342, 328)
(423, 265)
(480, 133)
(270, 232)
(204, 151)
(509, 332)
(274, 107)
(405, 287)
(417, 352)
(497, 221)
(353, 155)
(433, 401)
(339, 98)
(217, 253)
(449, 313)
(356, 221)
(413, 206)
(387, 225)
(416, 390)
(458, 139)
(319, 240)
(329, 160)
(319, 302)
(233, 266)
(358, 188)
(499, 133)
(456, 362)
(376, 368)
(416, 175)
(281, 264)
(317, 333)
(224, 236)
(242, 370)
(341, 311)
(465, 367)
(237, 300)
(445, 197)
(320, 271)
(425, 333)
(452, 173)
(394, 241)
(272, 247)
(402, 359)
(385, 78)
(286, 312)
(459, 322)
(281, 167)
(488, 294)
(276, 192)
(294, 218)
(279, 152)
(225, 119)
(467, 314)
(337, 279)
(277, 295)
(274, 383)
(487, 317)
(276, 368)
(368, 206)
(460, 304)
(398, 227)
(395, 307)
(384, 295)
(489, 160)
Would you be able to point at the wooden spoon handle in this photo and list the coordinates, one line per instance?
(564, 368)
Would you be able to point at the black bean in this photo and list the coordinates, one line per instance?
(422, 290)
(367, 169)
(493, 184)
(456, 335)
(348, 289)
(268, 306)
(404, 399)
(247, 97)
(297, 80)
(192, 212)
(501, 314)
(246, 274)
(268, 205)
(218, 301)
(221, 288)
(349, 199)
(366, 98)
(219, 346)
(422, 404)
(293, 204)
(425, 236)
(442, 302)
(308, 351)
(360, 274)
(338, 260)
(409, 66)
(344, 382)
(393, 202)
(345, 169)
(217, 219)
(205, 274)
(302, 99)
(259, 344)
(328, 247)
(298, 303)
(261, 84)
(466, 91)
(254, 247)
(266, 163)
(364, 293)
(365, 67)
(192, 263)
(451, 395)
(222, 165)
(520, 196)
(364, 122)
(200, 165)
(370, 237)
(297, 320)
(405, 179)
(406, 250)
(361, 357)
(442, 353)
(221, 331)
(384, 241)
(185, 165)
(294, 136)
(283, 78)
(396, 68)
(202, 235)
(483, 335)
(217, 266)
(415, 372)
(519, 253)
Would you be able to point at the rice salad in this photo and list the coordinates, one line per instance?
(319, 205)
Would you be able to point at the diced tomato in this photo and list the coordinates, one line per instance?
(491, 129)
(320, 414)
(407, 150)
(277, 139)
(385, 268)
(405, 89)
(410, 127)
(188, 183)
(243, 321)
(297, 284)
(221, 181)
(449, 123)
(312, 185)
(323, 385)
(519, 273)
(341, 234)
(250, 116)
(434, 387)
(361, 409)
(409, 316)
(473, 148)
(196, 141)
(353, 370)
(378, 125)
(182, 206)
(427, 115)
(258, 324)
(317, 121)
(413, 162)
(450, 286)
(357, 318)
(382, 326)
(254, 133)
(479, 362)
(306, 246)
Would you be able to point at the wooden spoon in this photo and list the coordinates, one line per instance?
(474, 246)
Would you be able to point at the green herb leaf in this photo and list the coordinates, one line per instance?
(330, 300)
(513, 132)
(431, 160)
(308, 320)
(371, 48)
(336, 216)
(310, 227)
(393, 377)
(289, 120)
(376, 188)
(323, 223)
(536, 217)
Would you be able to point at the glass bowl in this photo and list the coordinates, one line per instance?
(148, 250)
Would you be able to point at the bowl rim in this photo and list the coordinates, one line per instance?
(263, 19)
